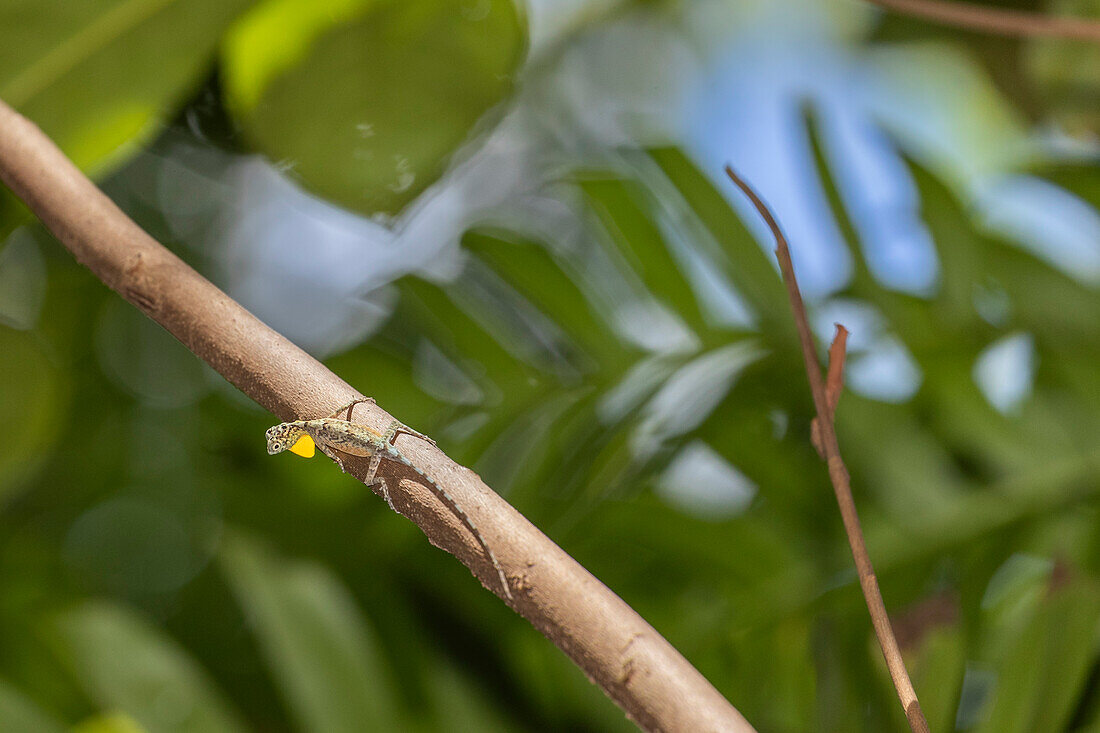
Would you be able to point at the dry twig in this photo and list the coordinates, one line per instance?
(824, 403)
(615, 647)
(996, 20)
(834, 385)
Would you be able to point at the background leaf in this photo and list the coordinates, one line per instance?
(128, 665)
(39, 400)
(98, 75)
(378, 95)
(20, 715)
(318, 644)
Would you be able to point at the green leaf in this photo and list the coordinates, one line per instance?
(461, 706)
(937, 669)
(125, 664)
(1066, 74)
(557, 688)
(547, 283)
(621, 208)
(95, 75)
(366, 100)
(34, 389)
(145, 360)
(723, 236)
(318, 645)
(111, 723)
(945, 108)
(1040, 678)
(18, 714)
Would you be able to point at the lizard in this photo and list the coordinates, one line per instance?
(334, 434)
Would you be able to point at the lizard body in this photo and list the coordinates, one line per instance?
(334, 435)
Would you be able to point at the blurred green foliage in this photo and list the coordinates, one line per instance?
(1068, 74)
(82, 71)
(406, 83)
(159, 573)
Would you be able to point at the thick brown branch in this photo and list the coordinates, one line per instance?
(618, 650)
(996, 20)
(838, 472)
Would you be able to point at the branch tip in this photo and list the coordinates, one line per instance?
(834, 382)
(834, 385)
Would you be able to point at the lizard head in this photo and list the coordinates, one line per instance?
(288, 436)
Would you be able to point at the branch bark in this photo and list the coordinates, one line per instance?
(617, 649)
(825, 401)
(996, 20)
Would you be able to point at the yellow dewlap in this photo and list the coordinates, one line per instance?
(305, 447)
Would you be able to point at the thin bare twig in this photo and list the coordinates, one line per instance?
(996, 20)
(834, 382)
(615, 647)
(834, 385)
(838, 472)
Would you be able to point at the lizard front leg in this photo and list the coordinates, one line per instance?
(333, 454)
(397, 428)
(350, 406)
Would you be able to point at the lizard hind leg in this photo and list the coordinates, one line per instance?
(373, 479)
